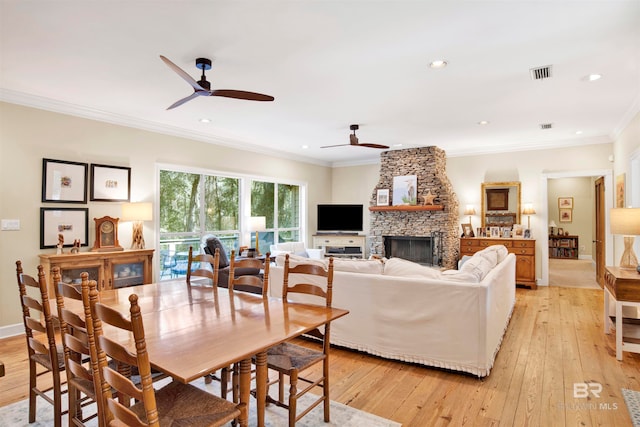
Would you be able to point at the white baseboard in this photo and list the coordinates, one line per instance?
(11, 330)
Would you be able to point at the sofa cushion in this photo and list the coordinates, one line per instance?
(296, 259)
(478, 266)
(211, 243)
(404, 268)
(500, 250)
(374, 266)
(459, 276)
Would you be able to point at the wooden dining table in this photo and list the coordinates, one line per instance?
(192, 331)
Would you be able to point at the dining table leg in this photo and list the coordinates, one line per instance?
(261, 386)
(245, 390)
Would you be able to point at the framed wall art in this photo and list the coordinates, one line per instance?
(497, 199)
(64, 182)
(382, 197)
(566, 215)
(405, 190)
(110, 183)
(565, 202)
(68, 223)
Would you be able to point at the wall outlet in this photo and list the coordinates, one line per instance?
(10, 224)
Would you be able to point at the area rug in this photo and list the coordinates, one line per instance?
(632, 399)
(341, 415)
(573, 273)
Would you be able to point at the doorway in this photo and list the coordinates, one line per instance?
(607, 201)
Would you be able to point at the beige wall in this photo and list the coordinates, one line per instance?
(27, 135)
(583, 219)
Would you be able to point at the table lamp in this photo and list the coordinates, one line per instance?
(553, 225)
(470, 210)
(257, 224)
(626, 222)
(528, 210)
(137, 212)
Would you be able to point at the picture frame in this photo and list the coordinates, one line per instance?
(71, 223)
(405, 190)
(506, 232)
(518, 231)
(560, 231)
(64, 181)
(527, 233)
(467, 230)
(110, 183)
(566, 215)
(497, 199)
(494, 232)
(382, 197)
(565, 202)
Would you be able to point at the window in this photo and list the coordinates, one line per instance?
(193, 205)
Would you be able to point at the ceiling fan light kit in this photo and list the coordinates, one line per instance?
(202, 87)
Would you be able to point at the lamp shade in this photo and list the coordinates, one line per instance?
(528, 209)
(469, 210)
(142, 211)
(552, 224)
(625, 221)
(257, 223)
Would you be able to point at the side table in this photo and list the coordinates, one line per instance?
(624, 287)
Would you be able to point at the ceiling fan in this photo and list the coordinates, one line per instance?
(353, 140)
(203, 88)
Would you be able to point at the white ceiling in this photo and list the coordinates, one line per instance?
(332, 63)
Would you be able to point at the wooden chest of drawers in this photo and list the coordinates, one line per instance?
(524, 249)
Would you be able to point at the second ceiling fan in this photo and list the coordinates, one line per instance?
(353, 140)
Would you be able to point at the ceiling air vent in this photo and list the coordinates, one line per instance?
(540, 73)
(544, 126)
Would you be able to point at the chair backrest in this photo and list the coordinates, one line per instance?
(203, 260)
(35, 311)
(75, 331)
(249, 283)
(303, 273)
(117, 411)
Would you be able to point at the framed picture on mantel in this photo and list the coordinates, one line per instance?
(382, 197)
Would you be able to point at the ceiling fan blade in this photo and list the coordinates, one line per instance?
(339, 145)
(182, 74)
(241, 94)
(365, 144)
(183, 100)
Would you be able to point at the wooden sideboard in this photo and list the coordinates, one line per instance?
(623, 286)
(524, 250)
(110, 270)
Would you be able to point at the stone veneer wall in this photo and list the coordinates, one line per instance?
(429, 165)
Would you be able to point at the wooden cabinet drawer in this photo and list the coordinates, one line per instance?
(473, 243)
(489, 242)
(524, 243)
(522, 251)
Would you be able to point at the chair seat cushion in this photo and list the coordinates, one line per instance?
(186, 405)
(286, 357)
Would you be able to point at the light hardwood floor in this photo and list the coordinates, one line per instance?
(555, 339)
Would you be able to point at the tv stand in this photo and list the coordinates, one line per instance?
(335, 233)
(342, 245)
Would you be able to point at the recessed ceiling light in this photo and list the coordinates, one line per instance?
(483, 122)
(205, 120)
(578, 132)
(594, 77)
(438, 63)
(304, 147)
(397, 145)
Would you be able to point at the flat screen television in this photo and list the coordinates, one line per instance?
(340, 218)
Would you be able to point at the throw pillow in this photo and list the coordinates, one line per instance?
(358, 265)
(211, 244)
(478, 266)
(296, 259)
(404, 268)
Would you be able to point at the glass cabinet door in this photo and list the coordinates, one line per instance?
(128, 274)
(72, 275)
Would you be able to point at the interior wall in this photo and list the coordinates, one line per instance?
(28, 135)
(583, 216)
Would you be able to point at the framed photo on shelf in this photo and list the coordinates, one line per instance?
(518, 231)
(467, 230)
(69, 223)
(382, 197)
(405, 190)
(566, 215)
(494, 232)
(110, 183)
(565, 202)
(527, 233)
(64, 182)
(560, 231)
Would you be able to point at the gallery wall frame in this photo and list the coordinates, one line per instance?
(110, 183)
(566, 215)
(64, 181)
(71, 223)
(565, 202)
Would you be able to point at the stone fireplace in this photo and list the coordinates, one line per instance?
(425, 233)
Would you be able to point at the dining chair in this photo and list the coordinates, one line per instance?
(174, 404)
(257, 284)
(203, 260)
(290, 359)
(41, 343)
(77, 354)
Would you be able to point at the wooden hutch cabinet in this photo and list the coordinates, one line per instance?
(524, 250)
(110, 270)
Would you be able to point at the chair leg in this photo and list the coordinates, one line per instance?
(224, 381)
(32, 394)
(293, 399)
(57, 400)
(280, 387)
(325, 389)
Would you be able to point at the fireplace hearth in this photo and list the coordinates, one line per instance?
(421, 249)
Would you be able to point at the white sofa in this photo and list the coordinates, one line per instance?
(296, 248)
(400, 310)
